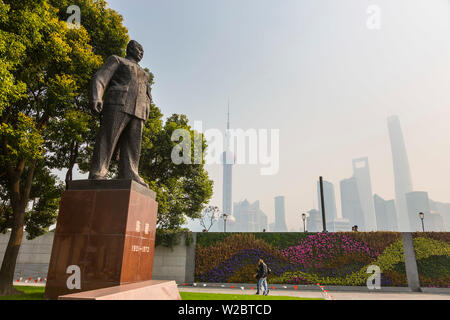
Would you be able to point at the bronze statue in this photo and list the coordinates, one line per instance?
(125, 108)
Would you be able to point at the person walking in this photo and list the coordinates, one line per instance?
(261, 276)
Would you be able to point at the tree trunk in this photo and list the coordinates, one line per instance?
(72, 161)
(19, 201)
(9, 262)
(12, 250)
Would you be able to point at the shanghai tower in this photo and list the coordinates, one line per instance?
(402, 174)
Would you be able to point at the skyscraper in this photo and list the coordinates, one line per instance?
(330, 204)
(386, 214)
(249, 217)
(341, 225)
(417, 201)
(402, 174)
(443, 209)
(314, 221)
(280, 217)
(351, 204)
(361, 173)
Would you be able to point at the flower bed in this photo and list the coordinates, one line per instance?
(433, 258)
(299, 258)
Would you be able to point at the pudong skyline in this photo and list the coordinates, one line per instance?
(359, 186)
(360, 205)
(317, 74)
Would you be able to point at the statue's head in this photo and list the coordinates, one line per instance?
(135, 50)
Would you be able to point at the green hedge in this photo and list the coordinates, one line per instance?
(172, 238)
(275, 239)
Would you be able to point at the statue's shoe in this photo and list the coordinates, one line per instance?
(141, 182)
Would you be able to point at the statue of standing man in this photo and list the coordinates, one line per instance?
(126, 89)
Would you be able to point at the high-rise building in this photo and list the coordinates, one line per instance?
(443, 209)
(351, 204)
(249, 217)
(314, 221)
(361, 173)
(280, 217)
(342, 225)
(402, 174)
(386, 214)
(416, 202)
(435, 222)
(272, 227)
(330, 204)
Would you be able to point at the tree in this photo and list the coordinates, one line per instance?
(45, 195)
(44, 98)
(209, 217)
(182, 190)
(72, 140)
(45, 69)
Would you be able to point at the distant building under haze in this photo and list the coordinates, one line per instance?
(386, 214)
(280, 215)
(330, 204)
(249, 217)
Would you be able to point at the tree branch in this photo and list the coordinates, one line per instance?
(28, 184)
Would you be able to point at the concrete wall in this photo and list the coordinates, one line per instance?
(34, 258)
(34, 255)
(176, 264)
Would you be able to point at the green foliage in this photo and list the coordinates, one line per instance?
(221, 296)
(45, 70)
(46, 122)
(37, 293)
(281, 239)
(104, 25)
(182, 190)
(45, 119)
(27, 293)
(439, 236)
(206, 239)
(432, 251)
(275, 239)
(46, 193)
(171, 238)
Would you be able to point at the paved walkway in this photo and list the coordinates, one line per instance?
(336, 295)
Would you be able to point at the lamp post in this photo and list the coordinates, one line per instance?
(224, 216)
(304, 219)
(422, 216)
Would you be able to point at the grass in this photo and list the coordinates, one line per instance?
(37, 293)
(220, 296)
(30, 293)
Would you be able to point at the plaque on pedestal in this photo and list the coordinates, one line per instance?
(104, 237)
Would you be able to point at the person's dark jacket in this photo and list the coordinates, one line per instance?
(262, 271)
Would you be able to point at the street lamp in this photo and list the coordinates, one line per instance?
(224, 216)
(304, 219)
(421, 216)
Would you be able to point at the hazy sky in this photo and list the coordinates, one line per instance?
(312, 69)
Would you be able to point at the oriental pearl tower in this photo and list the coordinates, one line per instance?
(228, 160)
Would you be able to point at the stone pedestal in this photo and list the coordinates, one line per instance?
(106, 230)
(146, 290)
